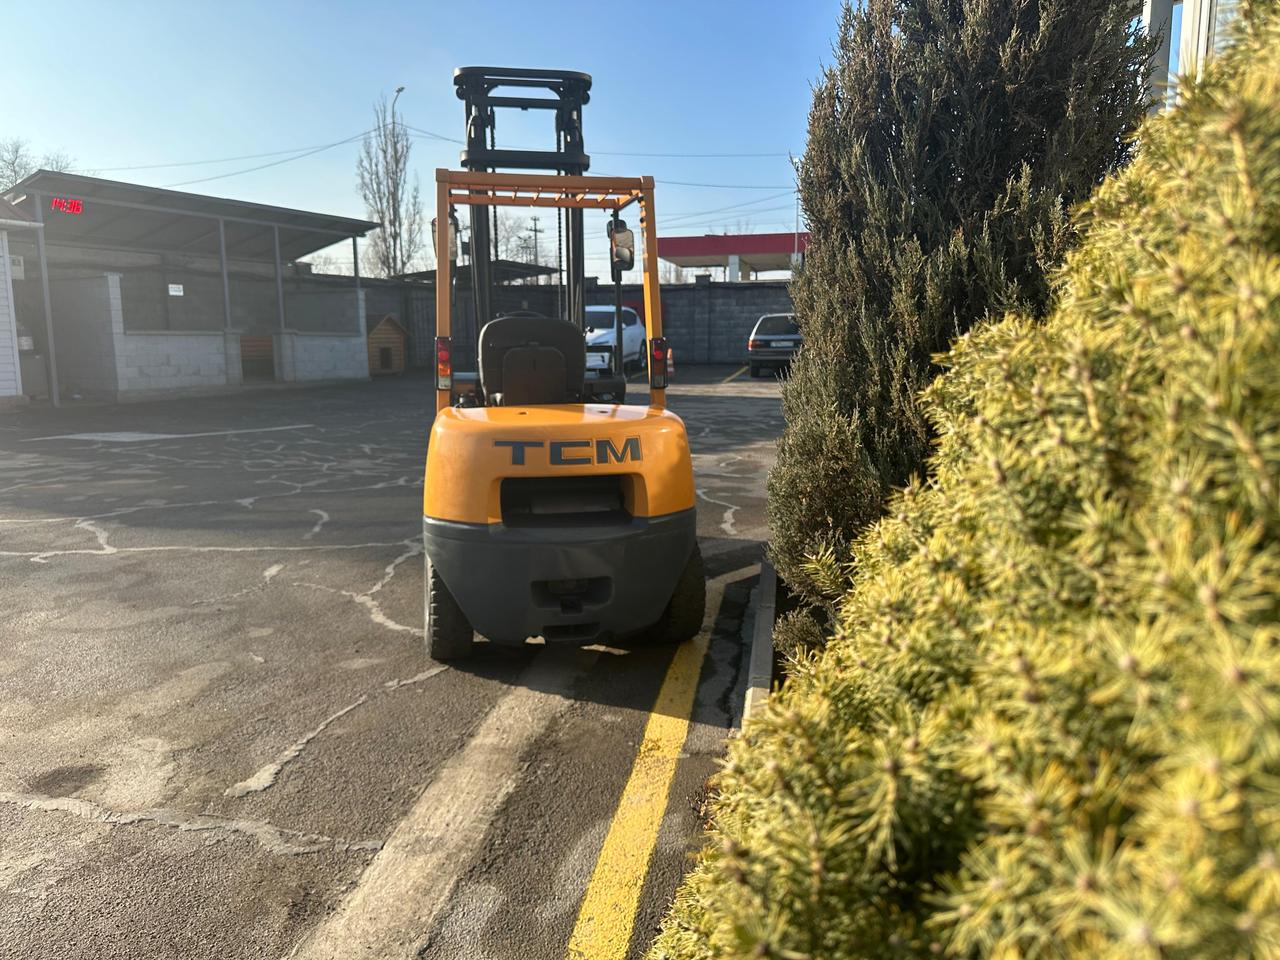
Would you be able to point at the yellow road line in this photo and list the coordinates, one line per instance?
(608, 910)
(735, 375)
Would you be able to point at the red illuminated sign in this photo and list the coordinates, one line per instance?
(66, 205)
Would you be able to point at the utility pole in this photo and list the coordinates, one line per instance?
(535, 229)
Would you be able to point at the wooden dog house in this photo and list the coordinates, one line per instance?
(388, 347)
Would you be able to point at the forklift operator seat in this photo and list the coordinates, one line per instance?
(531, 360)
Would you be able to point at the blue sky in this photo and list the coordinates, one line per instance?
(125, 84)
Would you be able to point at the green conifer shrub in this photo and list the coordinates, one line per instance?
(1048, 725)
(946, 141)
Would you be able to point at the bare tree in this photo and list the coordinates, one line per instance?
(671, 273)
(390, 197)
(17, 161)
(326, 263)
(513, 236)
(60, 160)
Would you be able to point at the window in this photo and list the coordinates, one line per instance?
(1175, 50)
(779, 325)
(1223, 15)
(602, 318)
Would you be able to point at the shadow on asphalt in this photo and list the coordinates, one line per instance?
(627, 674)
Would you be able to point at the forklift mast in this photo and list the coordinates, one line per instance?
(483, 90)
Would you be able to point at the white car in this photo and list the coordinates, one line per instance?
(601, 332)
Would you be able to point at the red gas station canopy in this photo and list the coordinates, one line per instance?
(754, 251)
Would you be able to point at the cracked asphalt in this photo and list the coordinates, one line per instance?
(220, 736)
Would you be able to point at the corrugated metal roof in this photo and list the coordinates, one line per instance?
(9, 212)
(79, 208)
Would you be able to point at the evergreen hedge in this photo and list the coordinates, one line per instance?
(946, 142)
(1049, 722)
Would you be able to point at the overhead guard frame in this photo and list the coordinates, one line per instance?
(480, 189)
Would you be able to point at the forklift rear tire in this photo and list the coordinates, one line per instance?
(682, 620)
(449, 635)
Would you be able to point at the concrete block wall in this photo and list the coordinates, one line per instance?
(231, 358)
(83, 342)
(254, 307)
(282, 350)
(164, 361)
(10, 379)
(732, 312)
(322, 306)
(707, 322)
(323, 357)
(148, 306)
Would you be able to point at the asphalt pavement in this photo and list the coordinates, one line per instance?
(220, 735)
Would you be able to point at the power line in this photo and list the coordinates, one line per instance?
(299, 153)
(621, 153)
(729, 186)
(199, 163)
(274, 163)
(431, 134)
(711, 221)
(667, 218)
(685, 156)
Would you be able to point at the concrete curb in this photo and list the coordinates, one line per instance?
(760, 664)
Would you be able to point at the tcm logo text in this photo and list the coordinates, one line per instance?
(574, 453)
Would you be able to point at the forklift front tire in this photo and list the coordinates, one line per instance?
(449, 636)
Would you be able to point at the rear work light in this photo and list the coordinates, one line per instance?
(658, 352)
(444, 364)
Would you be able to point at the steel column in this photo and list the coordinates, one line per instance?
(652, 293)
(275, 236)
(226, 281)
(575, 254)
(444, 280)
(55, 395)
(355, 269)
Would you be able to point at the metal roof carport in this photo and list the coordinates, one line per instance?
(85, 211)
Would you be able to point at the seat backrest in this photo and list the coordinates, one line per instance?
(526, 360)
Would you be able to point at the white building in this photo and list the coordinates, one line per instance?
(13, 221)
(1191, 32)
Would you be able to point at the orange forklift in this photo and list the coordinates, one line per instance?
(551, 508)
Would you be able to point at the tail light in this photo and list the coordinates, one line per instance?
(658, 363)
(755, 344)
(444, 364)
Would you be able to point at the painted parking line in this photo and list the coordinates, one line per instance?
(389, 912)
(735, 375)
(132, 436)
(609, 907)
